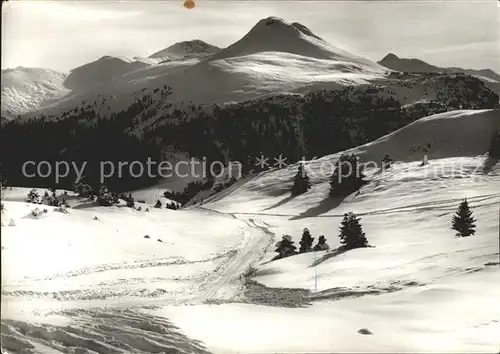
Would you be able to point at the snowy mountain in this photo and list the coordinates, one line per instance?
(26, 89)
(121, 280)
(392, 61)
(274, 57)
(102, 71)
(184, 50)
(274, 34)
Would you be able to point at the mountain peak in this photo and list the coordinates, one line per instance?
(276, 26)
(179, 50)
(390, 56)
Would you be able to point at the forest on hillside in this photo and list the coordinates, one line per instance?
(309, 125)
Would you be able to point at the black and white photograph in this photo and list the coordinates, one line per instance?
(250, 176)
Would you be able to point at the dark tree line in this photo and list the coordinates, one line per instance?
(315, 124)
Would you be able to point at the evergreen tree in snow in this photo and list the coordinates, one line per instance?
(463, 222)
(130, 201)
(285, 247)
(306, 241)
(53, 201)
(347, 178)
(301, 183)
(105, 197)
(33, 197)
(83, 189)
(351, 232)
(321, 245)
(158, 204)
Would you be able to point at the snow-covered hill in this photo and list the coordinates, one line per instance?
(26, 89)
(72, 282)
(102, 71)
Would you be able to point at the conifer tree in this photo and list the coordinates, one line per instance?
(301, 183)
(83, 189)
(463, 222)
(286, 247)
(351, 232)
(306, 241)
(130, 201)
(346, 178)
(106, 198)
(321, 245)
(33, 197)
(158, 204)
(52, 200)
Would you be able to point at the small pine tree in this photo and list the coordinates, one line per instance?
(105, 198)
(158, 204)
(285, 247)
(346, 178)
(130, 201)
(351, 232)
(463, 222)
(321, 245)
(301, 183)
(33, 197)
(53, 201)
(306, 241)
(83, 189)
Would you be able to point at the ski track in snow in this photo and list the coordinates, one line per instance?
(118, 329)
(122, 326)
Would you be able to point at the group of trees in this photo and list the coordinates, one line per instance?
(190, 191)
(47, 199)
(346, 178)
(352, 235)
(296, 126)
(171, 205)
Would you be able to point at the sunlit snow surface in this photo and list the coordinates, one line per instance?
(74, 284)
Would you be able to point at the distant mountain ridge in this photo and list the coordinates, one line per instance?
(274, 57)
(413, 65)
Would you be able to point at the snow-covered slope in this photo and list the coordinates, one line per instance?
(451, 135)
(187, 49)
(71, 282)
(26, 89)
(274, 34)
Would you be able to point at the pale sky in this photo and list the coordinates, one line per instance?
(65, 34)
